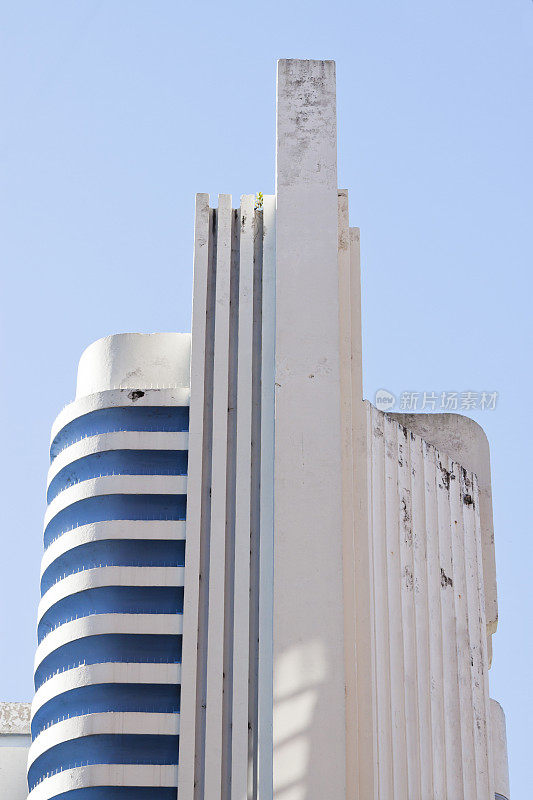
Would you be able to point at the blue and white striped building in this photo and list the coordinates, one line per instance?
(105, 717)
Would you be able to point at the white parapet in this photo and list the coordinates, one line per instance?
(15, 743)
(136, 361)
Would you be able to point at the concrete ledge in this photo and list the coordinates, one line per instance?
(147, 775)
(112, 722)
(109, 672)
(97, 577)
(166, 624)
(113, 398)
(116, 484)
(112, 529)
(119, 440)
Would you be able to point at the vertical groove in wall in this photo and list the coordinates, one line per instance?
(229, 568)
(350, 401)
(477, 626)
(459, 521)
(421, 617)
(396, 621)
(237, 638)
(203, 600)
(381, 616)
(266, 323)
(454, 764)
(436, 630)
(193, 656)
(228, 649)
(217, 555)
(407, 607)
(255, 511)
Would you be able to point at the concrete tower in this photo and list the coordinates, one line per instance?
(255, 584)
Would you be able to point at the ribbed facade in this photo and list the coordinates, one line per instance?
(105, 718)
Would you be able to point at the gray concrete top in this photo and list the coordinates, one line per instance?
(306, 124)
(14, 718)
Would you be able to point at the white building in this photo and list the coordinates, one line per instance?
(15, 740)
(255, 584)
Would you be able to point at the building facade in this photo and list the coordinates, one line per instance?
(15, 740)
(256, 585)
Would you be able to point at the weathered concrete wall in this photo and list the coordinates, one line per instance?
(426, 710)
(15, 741)
(309, 682)
(465, 441)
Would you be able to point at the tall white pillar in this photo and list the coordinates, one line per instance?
(309, 684)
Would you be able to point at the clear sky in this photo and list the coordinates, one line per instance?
(115, 112)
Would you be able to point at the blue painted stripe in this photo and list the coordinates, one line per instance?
(120, 793)
(118, 462)
(136, 648)
(112, 600)
(105, 507)
(105, 749)
(109, 420)
(158, 698)
(115, 552)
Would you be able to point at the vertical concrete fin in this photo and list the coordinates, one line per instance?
(309, 681)
(354, 505)
(200, 434)
(361, 730)
(266, 504)
(243, 503)
(219, 467)
(227, 646)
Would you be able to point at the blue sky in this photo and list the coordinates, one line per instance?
(115, 113)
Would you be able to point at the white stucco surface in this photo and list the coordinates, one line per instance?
(118, 440)
(122, 722)
(309, 682)
(14, 746)
(105, 775)
(96, 624)
(116, 484)
(111, 398)
(135, 360)
(113, 529)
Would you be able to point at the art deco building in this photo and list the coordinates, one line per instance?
(256, 585)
